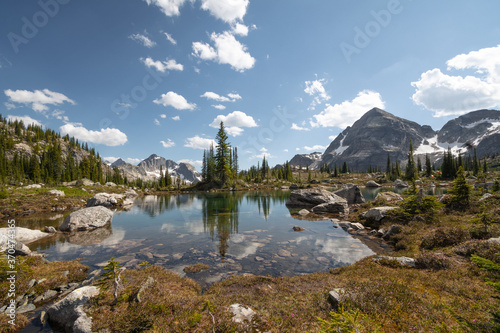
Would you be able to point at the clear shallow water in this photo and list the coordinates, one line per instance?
(233, 233)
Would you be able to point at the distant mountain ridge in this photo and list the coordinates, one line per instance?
(149, 169)
(305, 160)
(378, 133)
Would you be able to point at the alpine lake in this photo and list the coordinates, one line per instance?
(233, 233)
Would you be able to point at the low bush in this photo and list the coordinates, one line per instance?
(430, 260)
(482, 248)
(444, 236)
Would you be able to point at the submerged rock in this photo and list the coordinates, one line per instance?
(303, 212)
(297, 228)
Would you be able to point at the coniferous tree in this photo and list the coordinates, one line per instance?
(475, 163)
(222, 157)
(411, 170)
(235, 165)
(344, 167)
(460, 191)
(428, 166)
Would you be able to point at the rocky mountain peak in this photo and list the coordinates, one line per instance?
(378, 134)
(118, 163)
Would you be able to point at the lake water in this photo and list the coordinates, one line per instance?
(233, 233)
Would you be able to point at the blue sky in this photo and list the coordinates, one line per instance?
(138, 77)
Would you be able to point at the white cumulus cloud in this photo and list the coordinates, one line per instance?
(174, 100)
(162, 66)
(192, 162)
(219, 107)
(315, 148)
(132, 160)
(198, 142)
(226, 50)
(226, 10)
(240, 29)
(448, 95)
(176, 118)
(317, 90)
(168, 7)
(231, 97)
(38, 99)
(167, 144)
(157, 122)
(346, 113)
(234, 122)
(27, 120)
(105, 136)
(143, 40)
(215, 97)
(299, 128)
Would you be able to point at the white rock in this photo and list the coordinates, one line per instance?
(405, 261)
(87, 218)
(69, 312)
(57, 193)
(22, 235)
(377, 213)
(241, 313)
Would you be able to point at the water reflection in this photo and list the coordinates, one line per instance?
(233, 233)
(220, 216)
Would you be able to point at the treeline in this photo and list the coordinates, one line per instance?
(220, 164)
(46, 163)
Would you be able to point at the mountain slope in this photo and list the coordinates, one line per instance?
(371, 138)
(149, 169)
(378, 134)
(305, 160)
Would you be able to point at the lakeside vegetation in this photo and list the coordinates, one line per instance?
(453, 288)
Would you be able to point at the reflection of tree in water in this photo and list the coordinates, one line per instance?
(155, 205)
(220, 215)
(265, 200)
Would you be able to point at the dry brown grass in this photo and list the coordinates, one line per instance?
(29, 268)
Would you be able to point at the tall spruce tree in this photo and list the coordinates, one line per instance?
(411, 169)
(428, 166)
(223, 169)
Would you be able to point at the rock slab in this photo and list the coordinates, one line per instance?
(352, 194)
(87, 218)
(69, 312)
(377, 214)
